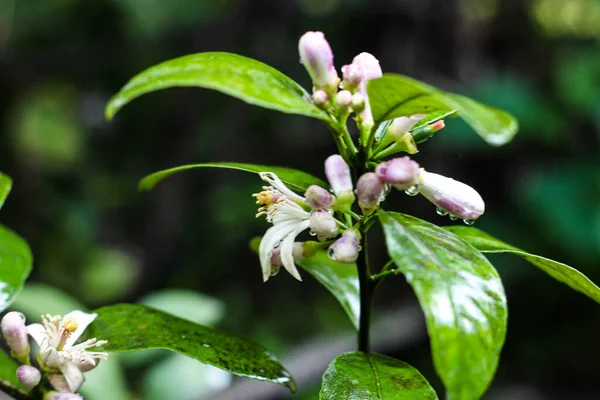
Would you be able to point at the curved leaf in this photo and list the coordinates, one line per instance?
(295, 179)
(5, 187)
(462, 297)
(394, 96)
(559, 271)
(360, 376)
(131, 327)
(245, 78)
(340, 279)
(16, 261)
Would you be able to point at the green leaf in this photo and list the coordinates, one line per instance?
(295, 179)
(462, 297)
(5, 187)
(340, 279)
(434, 117)
(8, 376)
(132, 327)
(247, 79)
(16, 261)
(360, 376)
(394, 95)
(559, 271)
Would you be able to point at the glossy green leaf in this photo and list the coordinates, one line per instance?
(132, 327)
(462, 297)
(340, 279)
(16, 261)
(295, 179)
(5, 187)
(8, 376)
(394, 95)
(434, 117)
(360, 376)
(245, 78)
(559, 271)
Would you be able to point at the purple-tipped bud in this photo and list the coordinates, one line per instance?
(318, 198)
(343, 99)
(401, 173)
(369, 189)
(369, 68)
(451, 196)
(338, 174)
(346, 248)
(358, 103)
(28, 376)
(320, 98)
(14, 332)
(351, 75)
(323, 224)
(400, 126)
(317, 57)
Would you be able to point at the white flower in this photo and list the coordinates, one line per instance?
(283, 208)
(56, 337)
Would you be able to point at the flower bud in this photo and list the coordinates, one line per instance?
(28, 376)
(304, 250)
(358, 103)
(66, 396)
(351, 77)
(338, 174)
(453, 197)
(425, 132)
(369, 189)
(343, 99)
(400, 126)
(318, 198)
(368, 67)
(15, 333)
(320, 98)
(323, 224)
(317, 57)
(401, 173)
(346, 248)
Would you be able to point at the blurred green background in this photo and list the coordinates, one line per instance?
(184, 246)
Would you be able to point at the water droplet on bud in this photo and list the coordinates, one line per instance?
(274, 270)
(441, 211)
(469, 221)
(453, 217)
(387, 188)
(331, 254)
(312, 233)
(412, 191)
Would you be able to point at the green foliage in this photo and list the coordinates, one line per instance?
(298, 180)
(8, 375)
(462, 297)
(5, 187)
(559, 271)
(361, 376)
(247, 79)
(340, 279)
(394, 96)
(16, 262)
(129, 327)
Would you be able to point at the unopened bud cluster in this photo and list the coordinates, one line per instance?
(59, 358)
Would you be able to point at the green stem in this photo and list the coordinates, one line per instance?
(366, 295)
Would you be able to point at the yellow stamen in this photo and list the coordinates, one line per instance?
(70, 325)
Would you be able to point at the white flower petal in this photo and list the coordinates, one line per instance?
(290, 211)
(73, 375)
(274, 181)
(83, 321)
(287, 249)
(37, 332)
(272, 236)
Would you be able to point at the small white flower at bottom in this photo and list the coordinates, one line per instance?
(56, 337)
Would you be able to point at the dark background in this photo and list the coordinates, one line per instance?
(99, 240)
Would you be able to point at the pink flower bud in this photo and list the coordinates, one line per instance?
(318, 198)
(338, 174)
(343, 98)
(453, 197)
(401, 173)
(423, 133)
(14, 332)
(400, 126)
(368, 67)
(346, 248)
(317, 57)
(29, 376)
(352, 76)
(323, 224)
(66, 396)
(320, 98)
(369, 189)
